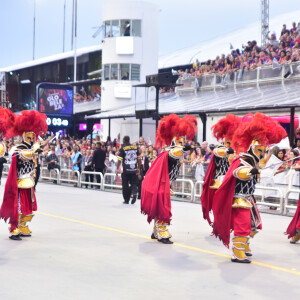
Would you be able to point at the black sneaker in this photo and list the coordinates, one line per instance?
(133, 200)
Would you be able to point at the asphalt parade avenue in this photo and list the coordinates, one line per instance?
(86, 244)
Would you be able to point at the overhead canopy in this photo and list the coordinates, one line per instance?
(123, 112)
(229, 99)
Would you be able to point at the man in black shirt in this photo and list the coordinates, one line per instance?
(129, 155)
(52, 161)
(98, 161)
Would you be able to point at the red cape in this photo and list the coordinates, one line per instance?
(291, 230)
(207, 193)
(222, 205)
(9, 208)
(155, 198)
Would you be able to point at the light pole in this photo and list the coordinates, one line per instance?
(64, 26)
(75, 41)
(33, 48)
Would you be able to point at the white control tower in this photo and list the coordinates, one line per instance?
(129, 53)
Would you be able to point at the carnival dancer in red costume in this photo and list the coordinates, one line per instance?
(155, 197)
(293, 230)
(234, 206)
(19, 200)
(223, 131)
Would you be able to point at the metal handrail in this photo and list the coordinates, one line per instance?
(69, 179)
(108, 184)
(238, 79)
(191, 194)
(269, 188)
(201, 182)
(57, 172)
(92, 183)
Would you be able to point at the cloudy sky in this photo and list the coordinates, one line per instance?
(182, 23)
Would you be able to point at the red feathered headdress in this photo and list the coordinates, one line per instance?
(226, 127)
(7, 120)
(172, 126)
(260, 128)
(31, 121)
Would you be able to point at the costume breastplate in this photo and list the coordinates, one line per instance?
(246, 187)
(221, 166)
(174, 168)
(25, 172)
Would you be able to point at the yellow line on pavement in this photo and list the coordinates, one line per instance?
(175, 244)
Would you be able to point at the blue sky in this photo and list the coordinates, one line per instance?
(182, 23)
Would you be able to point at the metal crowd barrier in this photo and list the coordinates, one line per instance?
(70, 178)
(5, 169)
(279, 205)
(94, 183)
(113, 177)
(200, 183)
(290, 190)
(46, 174)
(182, 187)
(183, 192)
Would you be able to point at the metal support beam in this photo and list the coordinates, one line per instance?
(292, 125)
(264, 22)
(141, 127)
(109, 127)
(156, 106)
(203, 119)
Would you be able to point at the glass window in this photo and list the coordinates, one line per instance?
(115, 28)
(106, 72)
(135, 72)
(125, 28)
(107, 29)
(136, 28)
(124, 71)
(114, 72)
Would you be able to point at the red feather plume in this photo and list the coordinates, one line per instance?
(166, 130)
(31, 121)
(187, 127)
(260, 128)
(172, 126)
(7, 120)
(226, 127)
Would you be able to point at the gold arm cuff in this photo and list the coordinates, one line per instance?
(239, 202)
(176, 152)
(220, 152)
(242, 173)
(27, 154)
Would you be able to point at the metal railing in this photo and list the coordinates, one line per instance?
(196, 195)
(265, 73)
(182, 191)
(70, 176)
(48, 174)
(262, 202)
(113, 178)
(94, 176)
(289, 191)
(185, 187)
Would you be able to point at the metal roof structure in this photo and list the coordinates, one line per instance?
(51, 58)
(251, 97)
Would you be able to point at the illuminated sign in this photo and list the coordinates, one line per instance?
(59, 122)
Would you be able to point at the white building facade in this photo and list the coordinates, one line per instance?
(129, 53)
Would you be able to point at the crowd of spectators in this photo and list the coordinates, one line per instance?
(279, 50)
